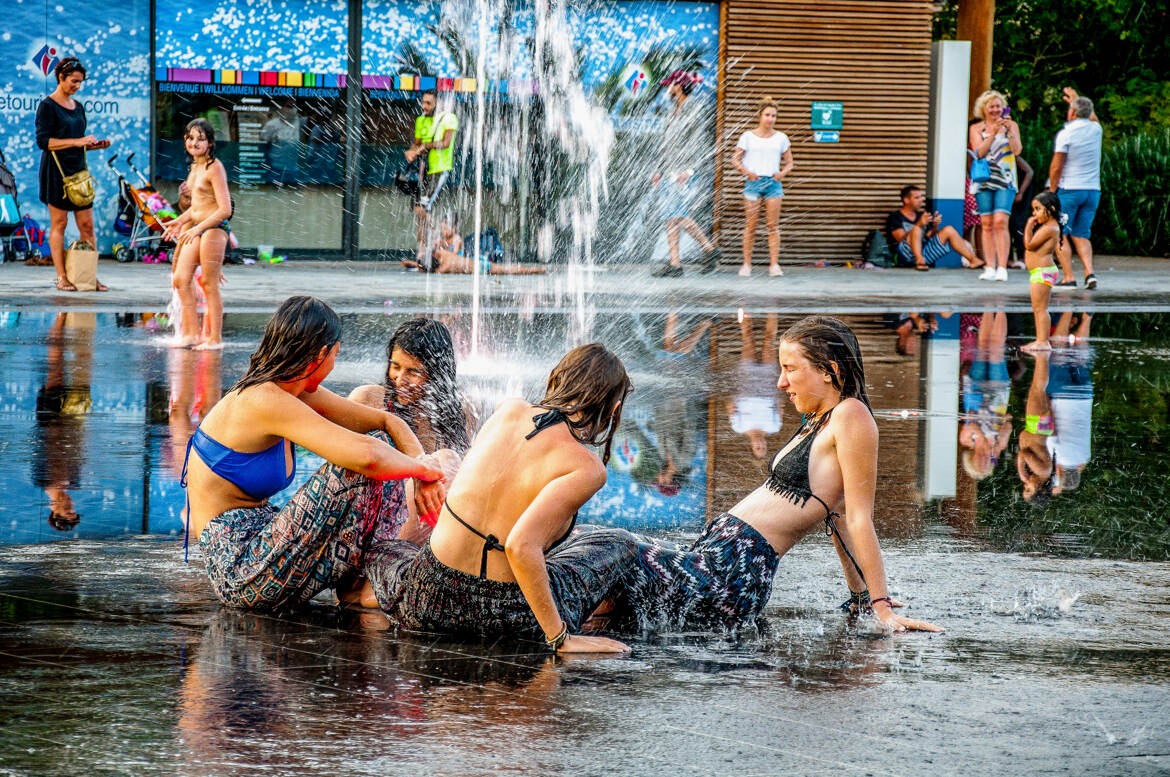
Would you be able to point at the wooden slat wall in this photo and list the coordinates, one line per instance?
(872, 56)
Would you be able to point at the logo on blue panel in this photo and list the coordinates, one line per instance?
(46, 59)
(633, 79)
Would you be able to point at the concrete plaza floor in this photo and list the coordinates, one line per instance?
(1126, 284)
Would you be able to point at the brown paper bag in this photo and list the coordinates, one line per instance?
(81, 266)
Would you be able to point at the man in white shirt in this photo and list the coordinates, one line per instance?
(1075, 176)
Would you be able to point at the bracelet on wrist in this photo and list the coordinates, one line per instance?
(889, 602)
(556, 642)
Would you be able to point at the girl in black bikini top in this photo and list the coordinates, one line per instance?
(789, 479)
(492, 542)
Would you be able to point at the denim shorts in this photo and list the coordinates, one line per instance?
(994, 201)
(1081, 207)
(765, 187)
(676, 199)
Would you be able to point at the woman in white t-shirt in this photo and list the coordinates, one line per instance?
(764, 156)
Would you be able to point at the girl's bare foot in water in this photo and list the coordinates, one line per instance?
(1035, 346)
(207, 345)
(182, 342)
(362, 595)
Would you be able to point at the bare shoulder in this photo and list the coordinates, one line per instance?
(511, 407)
(852, 419)
(265, 400)
(371, 395)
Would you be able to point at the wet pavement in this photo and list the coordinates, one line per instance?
(115, 659)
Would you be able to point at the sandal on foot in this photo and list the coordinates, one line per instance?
(63, 284)
(101, 286)
(922, 267)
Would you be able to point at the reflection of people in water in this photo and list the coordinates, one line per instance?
(1034, 461)
(195, 380)
(755, 409)
(666, 462)
(909, 326)
(1070, 391)
(62, 404)
(247, 695)
(725, 578)
(986, 386)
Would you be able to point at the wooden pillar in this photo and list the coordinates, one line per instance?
(977, 24)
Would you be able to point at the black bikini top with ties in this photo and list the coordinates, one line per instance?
(492, 542)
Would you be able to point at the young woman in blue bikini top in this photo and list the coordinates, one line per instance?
(243, 449)
(827, 472)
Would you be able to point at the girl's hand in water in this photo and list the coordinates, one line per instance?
(577, 643)
(893, 622)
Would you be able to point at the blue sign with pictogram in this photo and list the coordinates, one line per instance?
(826, 136)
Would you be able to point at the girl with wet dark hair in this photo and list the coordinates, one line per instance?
(1042, 240)
(260, 557)
(503, 559)
(201, 233)
(420, 386)
(830, 465)
(61, 136)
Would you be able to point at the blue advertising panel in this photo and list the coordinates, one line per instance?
(112, 39)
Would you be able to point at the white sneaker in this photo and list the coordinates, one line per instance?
(1001, 274)
(988, 273)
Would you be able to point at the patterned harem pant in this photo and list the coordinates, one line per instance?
(419, 592)
(721, 581)
(264, 559)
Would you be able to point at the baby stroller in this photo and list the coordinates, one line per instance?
(12, 224)
(141, 211)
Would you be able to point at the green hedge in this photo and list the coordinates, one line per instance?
(1134, 216)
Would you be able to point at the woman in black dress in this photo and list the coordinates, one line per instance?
(61, 129)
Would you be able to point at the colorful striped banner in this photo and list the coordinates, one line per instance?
(402, 83)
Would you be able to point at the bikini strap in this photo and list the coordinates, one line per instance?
(187, 498)
(545, 420)
(490, 541)
(832, 531)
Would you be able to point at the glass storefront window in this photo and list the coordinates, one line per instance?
(284, 156)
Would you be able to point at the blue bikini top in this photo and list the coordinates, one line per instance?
(259, 475)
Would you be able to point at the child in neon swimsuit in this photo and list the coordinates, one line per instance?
(1042, 237)
(1034, 461)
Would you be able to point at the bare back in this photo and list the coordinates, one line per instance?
(502, 476)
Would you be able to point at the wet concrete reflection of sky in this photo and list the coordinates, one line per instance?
(115, 658)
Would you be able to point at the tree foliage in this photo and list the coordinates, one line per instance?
(1116, 52)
